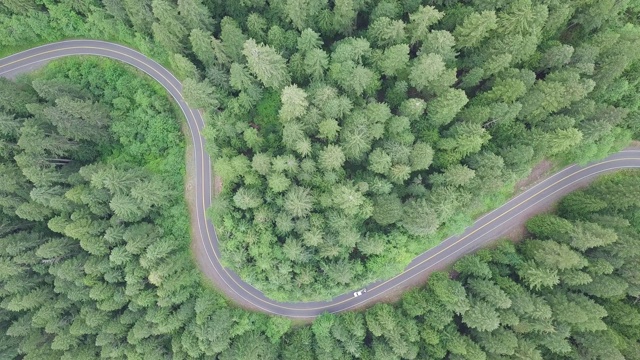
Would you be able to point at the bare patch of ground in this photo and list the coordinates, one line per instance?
(538, 173)
(217, 184)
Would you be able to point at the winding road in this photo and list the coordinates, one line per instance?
(483, 231)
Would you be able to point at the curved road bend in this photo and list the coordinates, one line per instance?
(483, 231)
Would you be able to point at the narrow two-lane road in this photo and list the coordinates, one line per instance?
(483, 231)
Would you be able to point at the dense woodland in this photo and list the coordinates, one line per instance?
(350, 136)
(95, 261)
(569, 291)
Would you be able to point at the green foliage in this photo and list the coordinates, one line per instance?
(349, 133)
(475, 28)
(266, 64)
(419, 218)
(486, 313)
(387, 209)
(294, 103)
(199, 94)
(116, 234)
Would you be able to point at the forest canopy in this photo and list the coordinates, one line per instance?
(348, 142)
(350, 136)
(95, 259)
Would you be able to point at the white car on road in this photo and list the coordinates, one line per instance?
(359, 292)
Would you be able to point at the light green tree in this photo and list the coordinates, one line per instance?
(247, 198)
(443, 109)
(309, 40)
(562, 139)
(475, 28)
(278, 182)
(394, 59)
(184, 67)
(379, 161)
(195, 14)
(387, 209)
(294, 103)
(20, 6)
(202, 46)
(399, 173)
(168, 31)
(481, 316)
(199, 94)
(419, 218)
(316, 62)
(537, 277)
(421, 156)
(426, 69)
(298, 201)
(328, 129)
(331, 158)
(421, 21)
(455, 175)
(266, 64)
(257, 27)
(232, 41)
(386, 32)
(348, 199)
(442, 43)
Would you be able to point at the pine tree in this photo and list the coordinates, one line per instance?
(195, 14)
(394, 60)
(199, 94)
(298, 201)
(475, 28)
(247, 198)
(316, 62)
(268, 66)
(331, 158)
(349, 199)
(232, 40)
(385, 32)
(481, 316)
(450, 293)
(426, 69)
(588, 235)
(294, 103)
(202, 47)
(420, 22)
(538, 277)
(21, 6)
(442, 43)
(257, 26)
(168, 31)
(344, 16)
(387, 209)
(456, 175)
(444, 108)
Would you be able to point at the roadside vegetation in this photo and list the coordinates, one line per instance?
(348, 144)
(95, 261)
(568, 291)
(349, 136)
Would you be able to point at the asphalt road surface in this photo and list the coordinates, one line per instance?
(483, 231)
